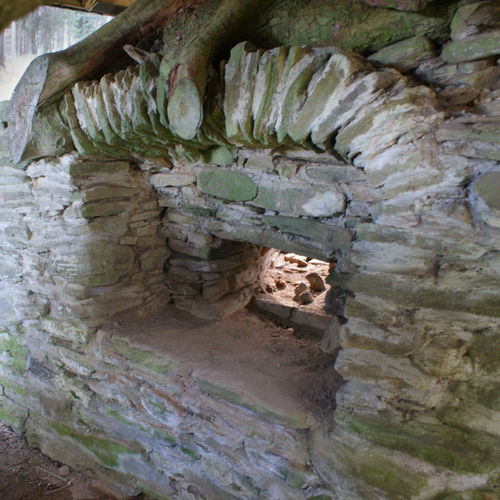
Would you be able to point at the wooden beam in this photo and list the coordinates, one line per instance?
(120, 3)
(51, 74)
(90, 5)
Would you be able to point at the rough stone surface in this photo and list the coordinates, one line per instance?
(472, 48)
(473, 17)
(405, 55)
(228, 185)
(397, 189)
(411, 5)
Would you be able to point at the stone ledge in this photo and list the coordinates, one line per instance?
(243, 360)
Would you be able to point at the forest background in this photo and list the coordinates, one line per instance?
(47, 29)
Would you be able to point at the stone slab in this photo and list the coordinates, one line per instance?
(294, 199)
(406, 54)
(474, 47)
(227, 184)
(238, 367)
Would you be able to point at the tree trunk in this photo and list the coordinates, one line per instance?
(2, 52)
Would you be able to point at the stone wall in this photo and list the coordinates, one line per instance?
(270, 201)
(392, 174)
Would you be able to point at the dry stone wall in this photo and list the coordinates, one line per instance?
(273, 202)
(393, 177)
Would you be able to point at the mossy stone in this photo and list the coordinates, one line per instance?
(12, 344)
(218, 156)
(102, 263)
(406, 54)
(14, 387)
(474, 47)
(474, 16)
(104, 209)
(228, 185)
(107, 452)
(13, 415)
(338, 69)
(103, 192)
(219, 391)
(412, 294)
(371, 466)
(291, 199)
(142, 357)
(262, 236)
(458, 449)
(488, 188)
(484, 129)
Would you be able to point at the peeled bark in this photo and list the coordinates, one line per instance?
(184, 67)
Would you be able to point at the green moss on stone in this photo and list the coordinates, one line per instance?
(366, 464)
(413, 294)
(485, 131)
(474, 47)
(165, 436)
(485, 350)
(218, 156)
(102, 263)
(223, 393)
(13, 416)
(99, 209)
(227, 185)
(68, 330)
(14, 387)
(404, 55)
(12, 344)
(198, 211)
(460, 450)
(106, 451)
(190, 453)
(142, 357)
(155, 434)
(119, 417)
(351, 24)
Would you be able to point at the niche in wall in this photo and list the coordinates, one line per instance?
(295, 292)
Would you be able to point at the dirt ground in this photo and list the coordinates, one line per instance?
(27, 474)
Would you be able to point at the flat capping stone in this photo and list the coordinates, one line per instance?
(234, 359)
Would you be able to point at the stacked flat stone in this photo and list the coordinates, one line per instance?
(266, 200)
(471, 57)
(399, 191)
